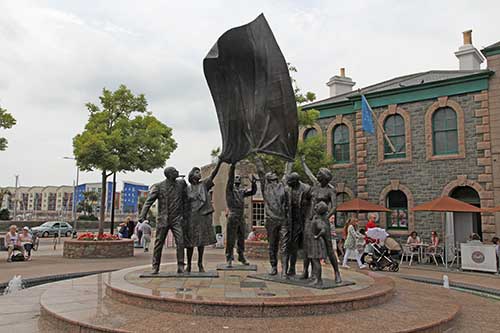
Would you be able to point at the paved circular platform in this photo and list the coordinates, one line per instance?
(81, 305)
(236, 294)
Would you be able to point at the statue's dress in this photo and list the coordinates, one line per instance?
(198, 229)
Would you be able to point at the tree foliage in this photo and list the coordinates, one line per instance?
(313, 149)
(4, 214)
(121, 135)
(6, 122)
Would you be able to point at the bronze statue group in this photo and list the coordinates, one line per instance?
(296, 217)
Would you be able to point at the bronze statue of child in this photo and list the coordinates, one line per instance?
(319, 241)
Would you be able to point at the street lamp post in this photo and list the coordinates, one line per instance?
(75, 187)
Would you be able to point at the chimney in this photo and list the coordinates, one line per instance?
(340, 84)
(469, 58)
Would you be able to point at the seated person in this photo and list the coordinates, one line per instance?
(474, 238)
(434, 242)
(413, 240)
(26, 241)
(123, 232)
(12, 242)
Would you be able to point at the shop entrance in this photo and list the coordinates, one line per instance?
(465, 224)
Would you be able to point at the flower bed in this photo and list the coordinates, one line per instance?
(89, 236)
(89, 245)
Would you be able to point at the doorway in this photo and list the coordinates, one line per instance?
(465, 224)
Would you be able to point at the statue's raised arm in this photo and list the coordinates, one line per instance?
(308, 171)
(288, 171)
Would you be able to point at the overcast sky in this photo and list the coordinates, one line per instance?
(57, 55)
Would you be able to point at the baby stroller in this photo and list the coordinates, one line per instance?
(382, 256)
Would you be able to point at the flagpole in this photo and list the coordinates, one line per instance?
(381, 128)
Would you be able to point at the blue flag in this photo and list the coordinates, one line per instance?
(366, 116)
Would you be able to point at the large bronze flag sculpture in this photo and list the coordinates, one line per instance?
(252, 91)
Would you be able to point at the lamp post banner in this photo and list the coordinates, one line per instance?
(251, 87)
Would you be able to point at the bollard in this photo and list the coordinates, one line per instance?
(446, 282)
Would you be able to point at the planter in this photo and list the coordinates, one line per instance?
(256, 249)
(76, 249)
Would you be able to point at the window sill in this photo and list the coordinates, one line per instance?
(395, 160)
(446, 157)
(342, 165)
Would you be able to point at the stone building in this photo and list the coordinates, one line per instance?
(445, 128)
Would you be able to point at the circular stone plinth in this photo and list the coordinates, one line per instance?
(77, 249)
(235, 294)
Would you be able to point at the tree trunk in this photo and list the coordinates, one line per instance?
(102, 210)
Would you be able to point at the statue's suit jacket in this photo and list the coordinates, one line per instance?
(168, 194)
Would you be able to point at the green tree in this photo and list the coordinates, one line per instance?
(121, 135)
(6, 121)
(313, 149)
(215, 153)
(4, 214)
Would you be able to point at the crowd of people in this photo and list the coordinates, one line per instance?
(140, 232)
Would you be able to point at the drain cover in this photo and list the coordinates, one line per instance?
(252, 284)
(266, 294)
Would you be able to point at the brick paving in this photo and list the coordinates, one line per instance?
(477, 314)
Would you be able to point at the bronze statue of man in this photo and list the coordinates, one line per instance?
(277, 223)
(235, 228)
(299, 202)
(172, 202)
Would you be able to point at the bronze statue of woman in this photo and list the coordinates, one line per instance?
(321, 191)
(198, 229)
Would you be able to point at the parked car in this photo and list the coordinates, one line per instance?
(52, 228)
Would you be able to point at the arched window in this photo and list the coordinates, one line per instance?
(394, 127)
(444, 131)
(341, 148)
(341, 217)
(309, 133)
(397, 202)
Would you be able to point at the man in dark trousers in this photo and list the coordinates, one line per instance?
(235, 228)
(277, 223)
(299, 202)
(172, 201)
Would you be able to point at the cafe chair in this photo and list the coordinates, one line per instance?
(436, 253)
(409, 252)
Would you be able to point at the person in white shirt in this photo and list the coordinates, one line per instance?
(146, 231)
(26, 241)
(12, 242)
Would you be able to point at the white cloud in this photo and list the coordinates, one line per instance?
(56, 56)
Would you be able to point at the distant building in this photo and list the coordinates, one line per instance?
(95, 187)
(54, 201)
(130, 196)
(48, 200)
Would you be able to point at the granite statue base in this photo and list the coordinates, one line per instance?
(224, 267)
(327, 283)
(209, 274)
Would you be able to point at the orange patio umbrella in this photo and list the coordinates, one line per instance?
(447, 204)
(493, 210)
(360, 205)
